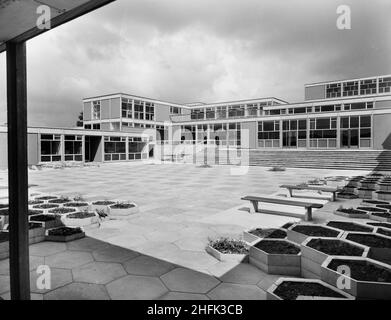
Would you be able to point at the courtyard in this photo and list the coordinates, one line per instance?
(159, 253)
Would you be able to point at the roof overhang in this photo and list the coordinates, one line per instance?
(18, 18)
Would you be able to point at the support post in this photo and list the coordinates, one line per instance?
(17, 170)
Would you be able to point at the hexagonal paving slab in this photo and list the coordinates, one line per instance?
(243, 273)
(87, 244)
(114, 254)
(98, 272)
(147, 266)
(47, 248)
(68, 259)
(233, 291)
(58, 278)
(78, 291)
(186, 280)
(34, 263)
(184, 296)
(136, 288)
(4, 284)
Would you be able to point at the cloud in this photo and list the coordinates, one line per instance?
(206, 50)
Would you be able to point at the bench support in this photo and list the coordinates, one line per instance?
(308, 214)
(254, 209)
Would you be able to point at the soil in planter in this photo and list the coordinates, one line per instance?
(287, 225)
(62, 210)
(382, 214)
(44, 217)
(45, 206)
(349, 226)
(347, 195)
(384, 232)
(370, 240)
(269, 233)
(376, 202)
(64, 231)
(290, 290)
(60, 201)
(32, 202)
(76, 204)
(380, 224)
(315, 231)
(103, 203)
(34, 212)
(371, 209)
(351, 211)
(277, 247)
(362, 270)
(384, 206)
(335, 247)
(46, 198)
(383, 192)
(122, 206)
(81, 215)
(34, 225)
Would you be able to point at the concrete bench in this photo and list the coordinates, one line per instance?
(332, 190)
(307, 205)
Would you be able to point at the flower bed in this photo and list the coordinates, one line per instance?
(384, 195)
(45, 206)
(304, 289)
(369, 279)
(349, 226)
(276, 256)
(380, 216)
(375, 202)
(300, 232)
(227, 249)
(81, 219)
(102, 205)
(384, 231)
(344, 194)
(314, 251)
(32, 212)
(255, 234)
(64, 234)
(364, 193)
(82, 206)
(380, 245)
(48, 220)
(351, 213)
(60, 200)
(122, 209)
(62, 210)
(380, 224)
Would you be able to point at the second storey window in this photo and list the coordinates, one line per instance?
(149, 111)
(138, 109)
(96, 110)
(127, 108)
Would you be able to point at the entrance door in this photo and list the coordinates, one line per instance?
(350, 139)
(92, 149)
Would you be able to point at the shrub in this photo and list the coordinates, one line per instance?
(229, 245)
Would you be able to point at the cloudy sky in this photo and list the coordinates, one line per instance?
(204, 50)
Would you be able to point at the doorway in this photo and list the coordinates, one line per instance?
(92, 147)
(350, 138)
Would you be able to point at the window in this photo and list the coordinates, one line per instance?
(236, 111)
(385, 85)
(138, 109)
(221, 112)
(127, 108)
(252, 109)
(73, 148)
(356, 132)
(234, 134)
(149, 111)
(333, 90)
(96, 110)
(368, 86)
(50, 147)
(197, 114)
(350, 88)
(210, 113)
(269, 134)
(114, 148)
(323, 133)
(175, 110)
(136, 147)
(294, 133)
(96, 126)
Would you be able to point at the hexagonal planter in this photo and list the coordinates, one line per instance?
(81, 219)
(346, 195)
(365, 193)
(355, 183)
(350, 226)
(369, 184)
(384, 195)
(119, 210)
(369, 279)
(36, 232)
(61, 210)
(35, 202)
(372, 210)
(380, 216)
(276, 256)
(255, 234)
(365, 202)
(47, 220)
(101, 205)
(383, 231)
(379, 245)
(304, 289)
(44, 198)
(314, 251)
(64, 234)
(45, 207)
(349, 188)
(227, 249)
(380, 224)
(79, 206)
(300, 232)
(384, 187)
(60, 200)
(351, 213)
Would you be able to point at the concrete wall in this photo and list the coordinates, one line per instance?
(248, 134)
(87, 111)
(116, 108)
(382, 131)
(315, 92)
(105, 109)
(162, 112)
(383, 104)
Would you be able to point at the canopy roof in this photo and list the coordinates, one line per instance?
(18, 18)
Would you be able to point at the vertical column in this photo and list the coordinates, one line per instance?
(338, 132)
(83, 148)
(62, 147)
(308, 133)
(127, 147)
(17, 170)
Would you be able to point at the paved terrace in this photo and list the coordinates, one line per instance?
(159, 253)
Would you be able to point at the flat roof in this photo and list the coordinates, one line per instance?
(345, 80)
(18, 19)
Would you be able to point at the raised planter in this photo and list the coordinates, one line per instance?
(384, 187)
(349, 226)
(79, 206)
(371, 210)
(346, 195)
(119, 210)
(35, 202)
(314, 251)
(61, 210)
(300, 232)
(364, 193)
(379, 245)
(369, 184)
(304, 289)
(255, 234)
(384, 195)
(102, 205)
(276, 256)
(226, 249)
(45, 207)
(369, 279)
(64, 234)
(60, 200)
(48, 221)
(45, 199)
(365, 202)
(383, 231)
(380, 224)
(380, 216)
(81, 219)
(351, 213)
(36, 232)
